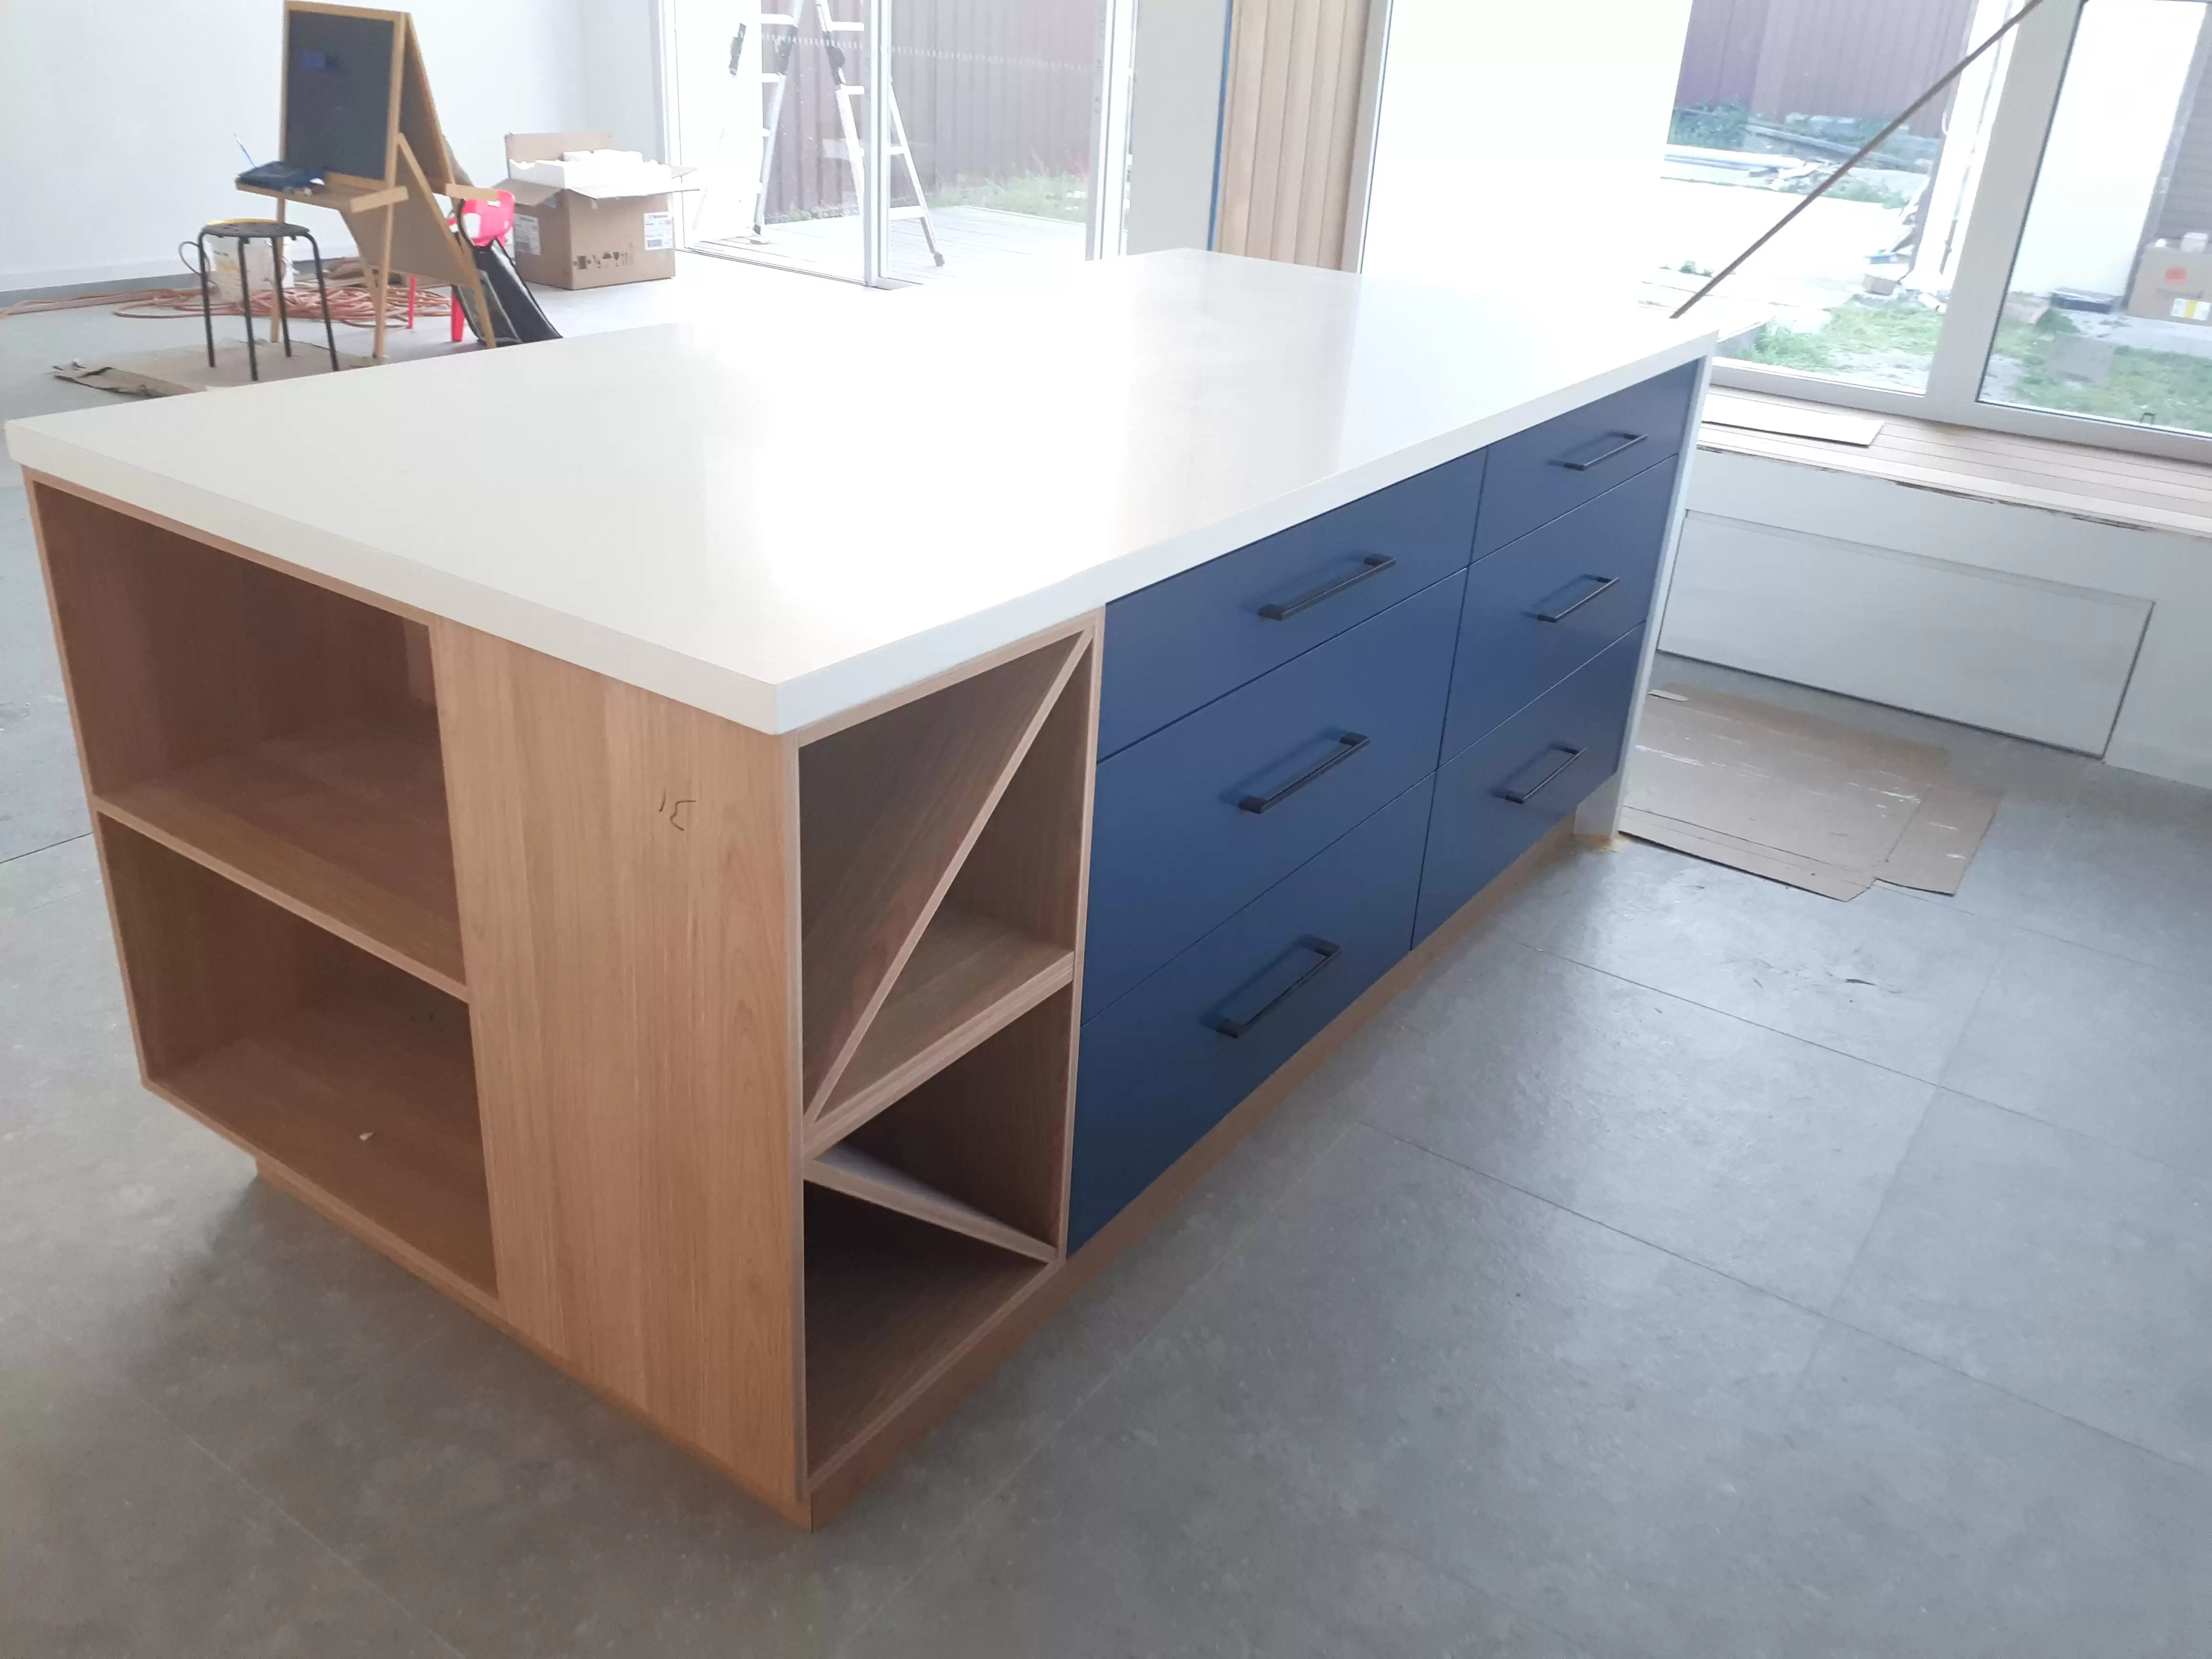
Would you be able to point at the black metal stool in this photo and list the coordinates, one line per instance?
(243, 231)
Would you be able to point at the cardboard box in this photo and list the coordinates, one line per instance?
(568, 238)
(2173, 283)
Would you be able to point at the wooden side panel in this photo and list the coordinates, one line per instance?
(177, 651)
(628, 916)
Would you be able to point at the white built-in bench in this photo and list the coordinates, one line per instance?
(2047, 589)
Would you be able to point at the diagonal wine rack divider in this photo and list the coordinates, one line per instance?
(890, 808)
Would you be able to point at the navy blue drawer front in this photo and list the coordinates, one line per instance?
(1540, 609)
(1496, 801)
(1196, 821)
(1180, 643)
(1161, 1068)
(1536, 475)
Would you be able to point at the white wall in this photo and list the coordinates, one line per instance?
(120, 119)
(2108, 141)
(621, 83)
(1175, 121)
(1517, 146)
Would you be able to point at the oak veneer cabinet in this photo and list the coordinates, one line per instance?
(761, 923)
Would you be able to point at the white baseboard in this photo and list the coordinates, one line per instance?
(17, 283)
(24, 282)
(2177, 765)
(2040, 659)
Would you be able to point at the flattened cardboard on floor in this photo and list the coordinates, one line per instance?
(177, 369)
(1822, 806)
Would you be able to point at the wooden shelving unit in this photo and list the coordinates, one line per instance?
(356, 1079)
(734, 1072)
(263, 760)
(942, 1085)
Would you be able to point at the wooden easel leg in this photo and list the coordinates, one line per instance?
(275, 270)
(377, 278)
(483, 310)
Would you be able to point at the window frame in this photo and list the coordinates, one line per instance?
(2027, 104)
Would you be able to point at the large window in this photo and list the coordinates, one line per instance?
(1774, 98)
(996, 146)
(2109, 311)
(2028, 250)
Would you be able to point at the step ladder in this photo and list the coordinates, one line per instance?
(779, 46)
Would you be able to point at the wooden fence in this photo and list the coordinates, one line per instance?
(1833, 57)
(991, 90)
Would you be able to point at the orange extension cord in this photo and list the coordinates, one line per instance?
(351, 302)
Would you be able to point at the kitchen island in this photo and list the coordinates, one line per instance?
(757, 863)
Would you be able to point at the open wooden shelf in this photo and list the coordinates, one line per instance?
(888, 808)
(979, 1146)
(277, 731)
(356, 1079)
(344, 825)
(890, 1301)
(969, 976)
(369, 1096)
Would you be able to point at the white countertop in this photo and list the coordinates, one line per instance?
(776, 522)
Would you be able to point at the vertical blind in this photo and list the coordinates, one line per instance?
(1290, 126)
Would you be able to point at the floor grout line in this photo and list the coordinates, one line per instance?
(2034, 932)
(1727, 1013)
(2201, 1177)
(1614, 1228)
(32, 851)
(1881, 1209)
(2196, 1472)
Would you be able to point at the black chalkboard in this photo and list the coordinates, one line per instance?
(338, 92)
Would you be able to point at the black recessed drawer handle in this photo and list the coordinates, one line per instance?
(1616, 443)
(1347, 746)
(1521, 796)
(1605, 585)
(1373, 565)
(1323, 953)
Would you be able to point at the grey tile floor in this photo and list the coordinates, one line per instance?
(1685, 1266)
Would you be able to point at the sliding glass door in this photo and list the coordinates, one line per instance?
(982, 158)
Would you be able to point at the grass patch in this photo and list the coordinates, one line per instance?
(1853, 331)
(1854, 187)
(1062, 195)
(2146, 388)
(2143, 388)
(1708, 126)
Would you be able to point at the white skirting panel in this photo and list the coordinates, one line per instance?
(2015, 654)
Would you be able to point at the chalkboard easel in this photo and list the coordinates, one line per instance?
(357, 109)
